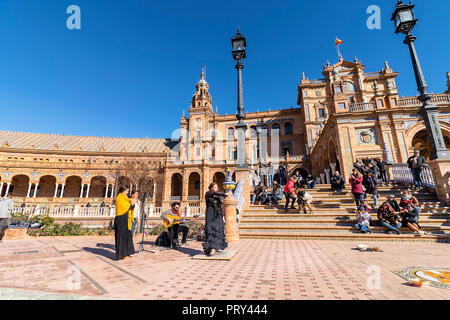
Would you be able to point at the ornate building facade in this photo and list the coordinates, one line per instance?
(346, 115)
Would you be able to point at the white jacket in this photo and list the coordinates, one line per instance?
(6, 205)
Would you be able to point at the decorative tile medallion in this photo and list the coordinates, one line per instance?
(435, 277)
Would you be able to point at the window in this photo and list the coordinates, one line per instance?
(305, 93)
(198, 133)
(264, 130)
(322, 113)
(288, 128)
(285, 151)
(394, 102)
(380, 103)
(231, 134)
(341, 106)
(276, 129)
(253, 132)
(350, 86)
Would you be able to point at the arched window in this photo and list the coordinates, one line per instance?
(288, 128)
(276, 129)
(230, 133)
(253, 132)
(350, 86)
(264, 130)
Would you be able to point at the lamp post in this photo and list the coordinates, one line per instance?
(238, 42)
(405, 20)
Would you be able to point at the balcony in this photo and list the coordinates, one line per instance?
(438, 100)
(362, 106)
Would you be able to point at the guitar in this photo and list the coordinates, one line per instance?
(175, 220)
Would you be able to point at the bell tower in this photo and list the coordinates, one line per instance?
(201, 101)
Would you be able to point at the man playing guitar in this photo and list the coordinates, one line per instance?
(172, 221)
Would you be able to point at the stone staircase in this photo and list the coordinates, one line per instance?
(333, 218)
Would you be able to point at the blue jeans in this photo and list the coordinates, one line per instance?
(311, 185)
(359, 198)
(133, 225)
(375, 198)
(391, 227)
(416, 173)
(270, 180)
(282, 179)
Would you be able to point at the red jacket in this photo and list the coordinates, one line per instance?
(356, 184)
(289, 186)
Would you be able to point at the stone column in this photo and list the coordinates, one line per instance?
(327, 175)
(243, 174)
(185, 188)
(56, 190)
(333, 168)
(106, 191)
(81, 191)
(7, 188)
(113, 191)
(1, 188)
(441, 174)
(29, 189)
(87, 191)
(62, 190)
(36, 185)
(232, 231)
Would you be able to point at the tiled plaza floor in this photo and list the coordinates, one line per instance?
(262, 269)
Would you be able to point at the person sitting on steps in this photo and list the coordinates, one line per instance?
(410, 216)
(363, 220)
(304, 199)
(388, 218)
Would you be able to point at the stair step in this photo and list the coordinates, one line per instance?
(348, 237)
(347, 227)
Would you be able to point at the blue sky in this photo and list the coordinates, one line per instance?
(131, 70)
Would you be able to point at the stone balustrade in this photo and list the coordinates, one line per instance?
(362, 106)
(439, 99)
(401, 173)
(101, 212)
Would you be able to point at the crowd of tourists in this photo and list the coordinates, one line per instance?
(271, 192)
(392, 215)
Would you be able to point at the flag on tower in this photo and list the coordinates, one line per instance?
(338, 42)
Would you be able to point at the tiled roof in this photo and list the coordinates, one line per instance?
(39, 141)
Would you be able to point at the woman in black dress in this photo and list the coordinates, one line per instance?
(215, 225)
(123, 223)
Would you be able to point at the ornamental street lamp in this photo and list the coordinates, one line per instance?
(238, 42)
(405, 20)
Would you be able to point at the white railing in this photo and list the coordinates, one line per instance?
(97, 212)
(362, 106)
(401, 173)
(155, 212)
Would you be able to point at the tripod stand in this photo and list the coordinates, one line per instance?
(143, 224)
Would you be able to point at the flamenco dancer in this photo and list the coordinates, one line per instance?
(215, 225)
(123, 223)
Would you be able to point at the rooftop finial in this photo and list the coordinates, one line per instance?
(386, 65)
(303, 76)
